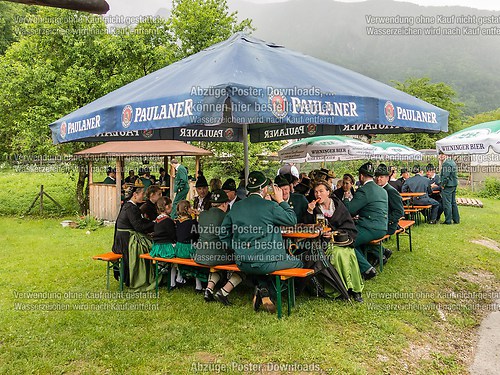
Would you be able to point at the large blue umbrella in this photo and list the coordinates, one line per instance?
(246, 83)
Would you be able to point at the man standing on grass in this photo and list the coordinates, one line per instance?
(449, 183)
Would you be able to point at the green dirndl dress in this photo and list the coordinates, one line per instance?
(187, 251)
(142, 277)
(345, 262)
(162, 250)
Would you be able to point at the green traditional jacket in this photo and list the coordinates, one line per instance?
(298, 203)
(371, 204)
(209, 248)
(181, 179)
(252, 229)
(109, 180)
(449, 174)
(396, 209)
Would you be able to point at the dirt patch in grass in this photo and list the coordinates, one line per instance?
(205, 357)
(488, 242)
(484, 278)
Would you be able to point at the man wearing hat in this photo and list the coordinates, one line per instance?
(202, 201)
(449, 183)
(303, 186)
(430, 171)
(396, 209)
(371, 205)
(229, 187)
(421, 184)
(111, 176)
(211, 251)
(181, 185)
(252, 230)
(296, 201)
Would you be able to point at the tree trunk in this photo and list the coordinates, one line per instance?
(82, 190)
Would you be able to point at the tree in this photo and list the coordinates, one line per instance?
(197, 24)
(483, 117)
(439, 94)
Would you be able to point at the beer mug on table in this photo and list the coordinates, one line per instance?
(320, 221)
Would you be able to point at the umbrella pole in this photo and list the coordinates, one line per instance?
(245, 151)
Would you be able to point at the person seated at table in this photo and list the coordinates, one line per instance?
(202, 201)
(371, 205)
(187, 235)
(211, 251)
(148, 209)
(398, 184)
(130, 179)
(297, 202)
(215, 184)
(229, 188)
(143, 180)
(164, 178)
(396, 210)
(338, 219)
(111, 176)
(430, 171)
(303, 186)
(421, 184)
(347, 189)
(241, 191)
(259, 248)
(130, 240)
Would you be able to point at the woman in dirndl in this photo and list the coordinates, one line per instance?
(342, 257)
(131, 240)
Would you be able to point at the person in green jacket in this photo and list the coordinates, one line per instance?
(370, 203)
(449, 183)
(396, 208)
(181, 185)
(111, 176)
(211, 251)
(297, 202)
(252, 230)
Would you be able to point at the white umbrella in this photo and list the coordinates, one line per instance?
(326, 148)
(395, 151)
(477, 139)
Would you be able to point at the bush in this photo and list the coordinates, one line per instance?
(491, 188)
(88, 222)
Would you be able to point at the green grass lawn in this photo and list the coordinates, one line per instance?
(398, 330)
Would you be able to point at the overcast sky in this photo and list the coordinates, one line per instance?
(147, 7)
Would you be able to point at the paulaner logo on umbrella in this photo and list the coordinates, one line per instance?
(126, 116)
(63, 130)
(389, 111)
(278, 104)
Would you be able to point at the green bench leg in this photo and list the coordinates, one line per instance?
(381, 256)
(122, 273)
(397, 240)
(409, 236)
(109, 265)
(278, 296)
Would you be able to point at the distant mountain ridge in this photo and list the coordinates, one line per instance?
(338, 32)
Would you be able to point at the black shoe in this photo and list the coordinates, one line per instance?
(356, 296)
(387, 255)
(267, 303)
(370, 274)
(257, 299)
(446, 223)
(198, 291)
(222, 298)
(209, 295)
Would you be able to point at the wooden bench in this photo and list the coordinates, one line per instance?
(404, 229)
(288, 274)
(378, 242)
(111, 258)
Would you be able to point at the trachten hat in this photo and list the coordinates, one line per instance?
(219, 196)
(229, 184)
(382, 170)
(367, 169)
(257, 181)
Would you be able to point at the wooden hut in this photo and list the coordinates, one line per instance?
(105, 199)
